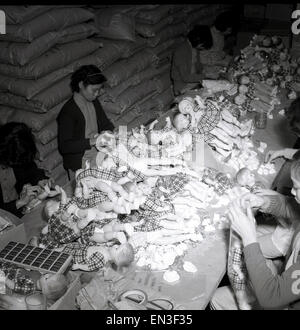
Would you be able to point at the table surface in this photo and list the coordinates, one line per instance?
(194, 291)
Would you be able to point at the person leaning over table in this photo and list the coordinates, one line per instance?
(201, 55)
(82, 118)
(272, 291)
(17, 166)
(187, 70)
(282, 182)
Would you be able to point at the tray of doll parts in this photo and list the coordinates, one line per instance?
(35, 258)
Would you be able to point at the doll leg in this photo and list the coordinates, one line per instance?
(108, 236)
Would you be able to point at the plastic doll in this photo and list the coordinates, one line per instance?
(245, 178)
(24, 282)
(93, 258)
(31, 196)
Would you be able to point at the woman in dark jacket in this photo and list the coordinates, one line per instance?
(17, 166)
(82, 118)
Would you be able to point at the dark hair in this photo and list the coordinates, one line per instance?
(226, 20)
(88, 74)
(293, 116)
(17, 145)
(200, 34)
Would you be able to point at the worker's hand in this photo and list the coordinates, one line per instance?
(252, 200)
(286, 153)
(243, 223)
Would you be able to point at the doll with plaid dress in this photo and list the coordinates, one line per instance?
(21, 281)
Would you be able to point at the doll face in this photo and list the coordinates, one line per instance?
(245, 178)
(120, 254)
(186, 105)
(51, 207)
(53, 285)
(181, 122)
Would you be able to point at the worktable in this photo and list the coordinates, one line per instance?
(194, 291)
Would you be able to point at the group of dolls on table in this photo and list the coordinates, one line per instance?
(128, 182)
(144, 200)
(262, 70)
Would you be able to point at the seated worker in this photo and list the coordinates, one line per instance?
(186, 71)
(282, 182)
(272, 291)
(224, 28)
(82, 118)
(202, 54)
(222, 34)
(17, 166)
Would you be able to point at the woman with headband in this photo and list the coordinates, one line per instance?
(82, 118)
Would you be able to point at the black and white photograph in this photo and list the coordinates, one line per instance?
(150, 159)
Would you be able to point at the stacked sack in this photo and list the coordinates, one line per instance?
(42, 46)
(164, 28)
(130, 76)
(139, 87)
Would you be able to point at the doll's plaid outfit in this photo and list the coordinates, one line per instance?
(209, 120)
(79, 252)
(98, 197)
(24, 284)
(159, 203)
(58, 233)
(237, 261)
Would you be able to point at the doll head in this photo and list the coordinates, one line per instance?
(181, 122)
(245, 177)
(147, 185)
(122, 255)
(51, 207)
(186, 105)
(106, 140)
(53, 285)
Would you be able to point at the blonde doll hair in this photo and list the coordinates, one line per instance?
(125, 255)
(51, 207)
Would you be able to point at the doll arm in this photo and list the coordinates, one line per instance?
(151, 126)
